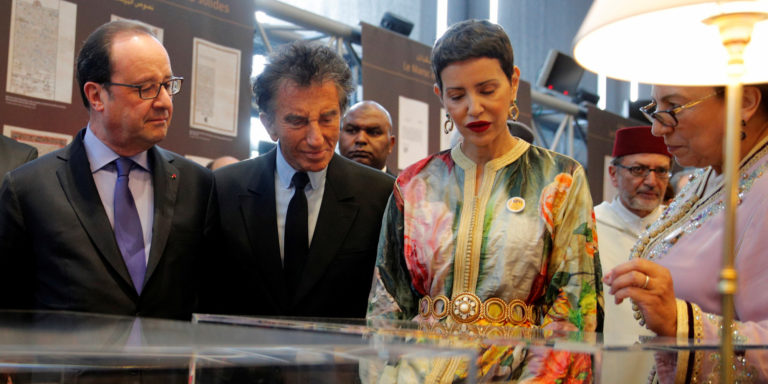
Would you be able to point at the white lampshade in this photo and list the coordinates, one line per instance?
(667, 42)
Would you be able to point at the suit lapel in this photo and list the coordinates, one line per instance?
(77, 182)
(338, 210)
(166, 185)
(259, 212)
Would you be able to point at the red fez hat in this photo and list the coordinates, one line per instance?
(631, 140)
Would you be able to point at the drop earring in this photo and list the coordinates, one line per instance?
(513, 112)
(448, 125)
(743, 132)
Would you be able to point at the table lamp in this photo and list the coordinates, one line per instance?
(693, 43)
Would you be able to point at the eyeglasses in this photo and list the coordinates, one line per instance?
(668, 118)
(150, 91)
(642, 171)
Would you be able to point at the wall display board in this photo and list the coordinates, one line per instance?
(398, 75)
(39, 95)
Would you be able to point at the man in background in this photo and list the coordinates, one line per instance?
(13, 154)
(366, 135)
(111, 223)
(640, 171)
(297, 227)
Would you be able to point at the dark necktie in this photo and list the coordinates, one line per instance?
(130, 237)
(296, 244)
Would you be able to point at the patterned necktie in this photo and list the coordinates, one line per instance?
(296, 244)
(130, 237)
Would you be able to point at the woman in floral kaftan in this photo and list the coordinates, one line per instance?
(495, 231)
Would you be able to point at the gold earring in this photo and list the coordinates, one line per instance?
(448, 125)
(514, 111)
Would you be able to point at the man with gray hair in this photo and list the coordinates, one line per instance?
(640, 172)
(299, 225)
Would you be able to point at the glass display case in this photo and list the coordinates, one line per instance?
(64, 347)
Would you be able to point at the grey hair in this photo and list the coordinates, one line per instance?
(305, 64)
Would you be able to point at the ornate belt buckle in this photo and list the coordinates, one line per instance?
(466, 308)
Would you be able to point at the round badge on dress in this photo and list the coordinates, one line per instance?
(516, 204)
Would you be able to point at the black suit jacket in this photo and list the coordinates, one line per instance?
(13, 154)
(58, 250)
(246, 275)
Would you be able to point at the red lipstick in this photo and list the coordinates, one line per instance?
(479, 126)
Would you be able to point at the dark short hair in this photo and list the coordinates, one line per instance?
(93, 61)
(305, 64)
(472, 39)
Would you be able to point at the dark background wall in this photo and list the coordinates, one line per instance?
(229, 23)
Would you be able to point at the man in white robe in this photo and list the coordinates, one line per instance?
(640, 173)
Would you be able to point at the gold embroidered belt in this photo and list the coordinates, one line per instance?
(467, 308)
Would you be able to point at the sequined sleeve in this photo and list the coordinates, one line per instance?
(703, 365)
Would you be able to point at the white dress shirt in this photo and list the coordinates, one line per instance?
(284, 192)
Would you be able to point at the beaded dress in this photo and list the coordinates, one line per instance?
(688, 241)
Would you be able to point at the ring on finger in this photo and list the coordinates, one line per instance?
(647, 279)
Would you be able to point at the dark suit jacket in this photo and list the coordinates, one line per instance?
(58, 250)
(246, 275)
(13, 154)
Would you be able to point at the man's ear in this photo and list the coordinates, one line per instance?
(392, 141)
(95, 94)
(268, 125)
(614, 177)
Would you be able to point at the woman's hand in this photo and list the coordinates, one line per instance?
(649, 285)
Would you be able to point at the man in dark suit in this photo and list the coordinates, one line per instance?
(366, 135)
(111, 223)
(277, 260)
(13, 154)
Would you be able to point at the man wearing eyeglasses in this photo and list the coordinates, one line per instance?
(111, 223)
(640, 171)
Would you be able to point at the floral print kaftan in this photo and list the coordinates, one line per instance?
(528, 234)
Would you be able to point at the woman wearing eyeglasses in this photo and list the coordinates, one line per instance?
(674, 272)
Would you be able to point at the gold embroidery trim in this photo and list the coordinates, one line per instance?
(698, 334)
(682, 339)
(469, 235)
(447, 329)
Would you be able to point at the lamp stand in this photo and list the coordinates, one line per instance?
(735, 31)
